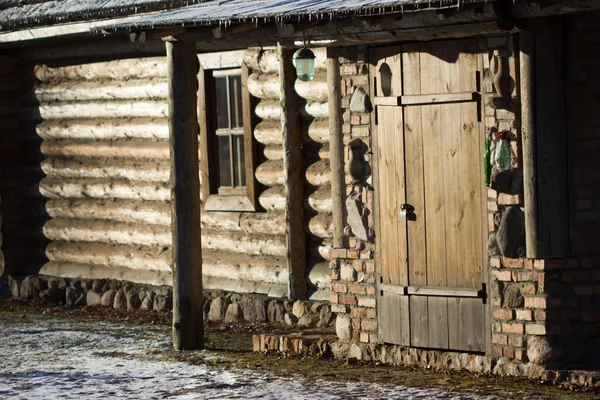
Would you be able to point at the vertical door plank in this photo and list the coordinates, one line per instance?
(438, 322)
(395, 324)
(415, 190)
(470, 332)
(419, 327)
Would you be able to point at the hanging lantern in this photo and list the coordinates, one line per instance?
(304, 61)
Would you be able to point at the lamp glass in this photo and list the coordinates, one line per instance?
(304, 61)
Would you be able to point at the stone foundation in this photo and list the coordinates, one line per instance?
(219, 306)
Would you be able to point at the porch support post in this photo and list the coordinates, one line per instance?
(526, 44)
(336, 145)
(292, 170)
(188, 328)
(551, 140)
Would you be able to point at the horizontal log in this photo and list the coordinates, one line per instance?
(320, 199)
(98, 109)
(270, 223)
(270, 173)
(319, 173)
(89, 271)
(87, 148)
(273, 199)
(128, 211)
(125, 69)
(267, 61)
(266, 87)
(318, 275)
(269, 132)
(239, 243)
(273, 152)
(271, 110)
(244, 268)
(150, 171)
(321, 225)
(103, 189)
(105, 129)
(106, 90)
(110, 255)
(318, 249)
(75, 230)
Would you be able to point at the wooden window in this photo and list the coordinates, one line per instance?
(227, 148)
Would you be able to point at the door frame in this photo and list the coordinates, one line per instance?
(483, 192)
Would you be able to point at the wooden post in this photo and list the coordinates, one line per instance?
(188, 329)
(336, 145)
(551, 143)
(527, 91)
(292, 169)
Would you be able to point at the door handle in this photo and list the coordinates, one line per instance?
(407, 212)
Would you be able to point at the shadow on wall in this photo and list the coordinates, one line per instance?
(22, 207)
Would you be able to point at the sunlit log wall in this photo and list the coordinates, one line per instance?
(104, 139)
(263, 84)
(21, 206)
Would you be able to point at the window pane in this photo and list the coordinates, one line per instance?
(235, 95)
(222, 102)
(239, 160)
(224, 162)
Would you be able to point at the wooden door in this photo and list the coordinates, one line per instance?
(429, 158)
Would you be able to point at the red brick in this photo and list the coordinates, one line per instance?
(515, 341)
(365, 119)
(346, 128)
(492, 206)
(359, 266)
(497, 351)
(334, 275)
(508, 352)
(356, 336)
(528, 263)
(535, 302)
(492, 194)
(368, 325)
(524, 315)
(514, 263)
(371, 290)
(356, 289)
(596, 275)
(495, 262)
(337, 253)
(353, 254)
(358, 313)
(491, 223)
(520, 355)
(535, 329)
(554, 303)
(356, 324)
(500, 339)
(529, 276)
(345, 299)
(339, 287)
(333, 299)
(590, 315)
(575, 276)
(370, 266)
(508, 327)
(504, 276)
(591, 262)
(355, 119)
(503, 314)
(372, 338)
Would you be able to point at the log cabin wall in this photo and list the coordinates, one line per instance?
(104, 139)
(263, 84)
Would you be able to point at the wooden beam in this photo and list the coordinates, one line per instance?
(292, 169)
(525, 9)
(528, 139)
(188, 329)
(551, 140)
(336, 145)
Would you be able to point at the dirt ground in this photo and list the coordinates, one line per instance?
(233, 344)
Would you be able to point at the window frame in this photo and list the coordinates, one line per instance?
(226, 199)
